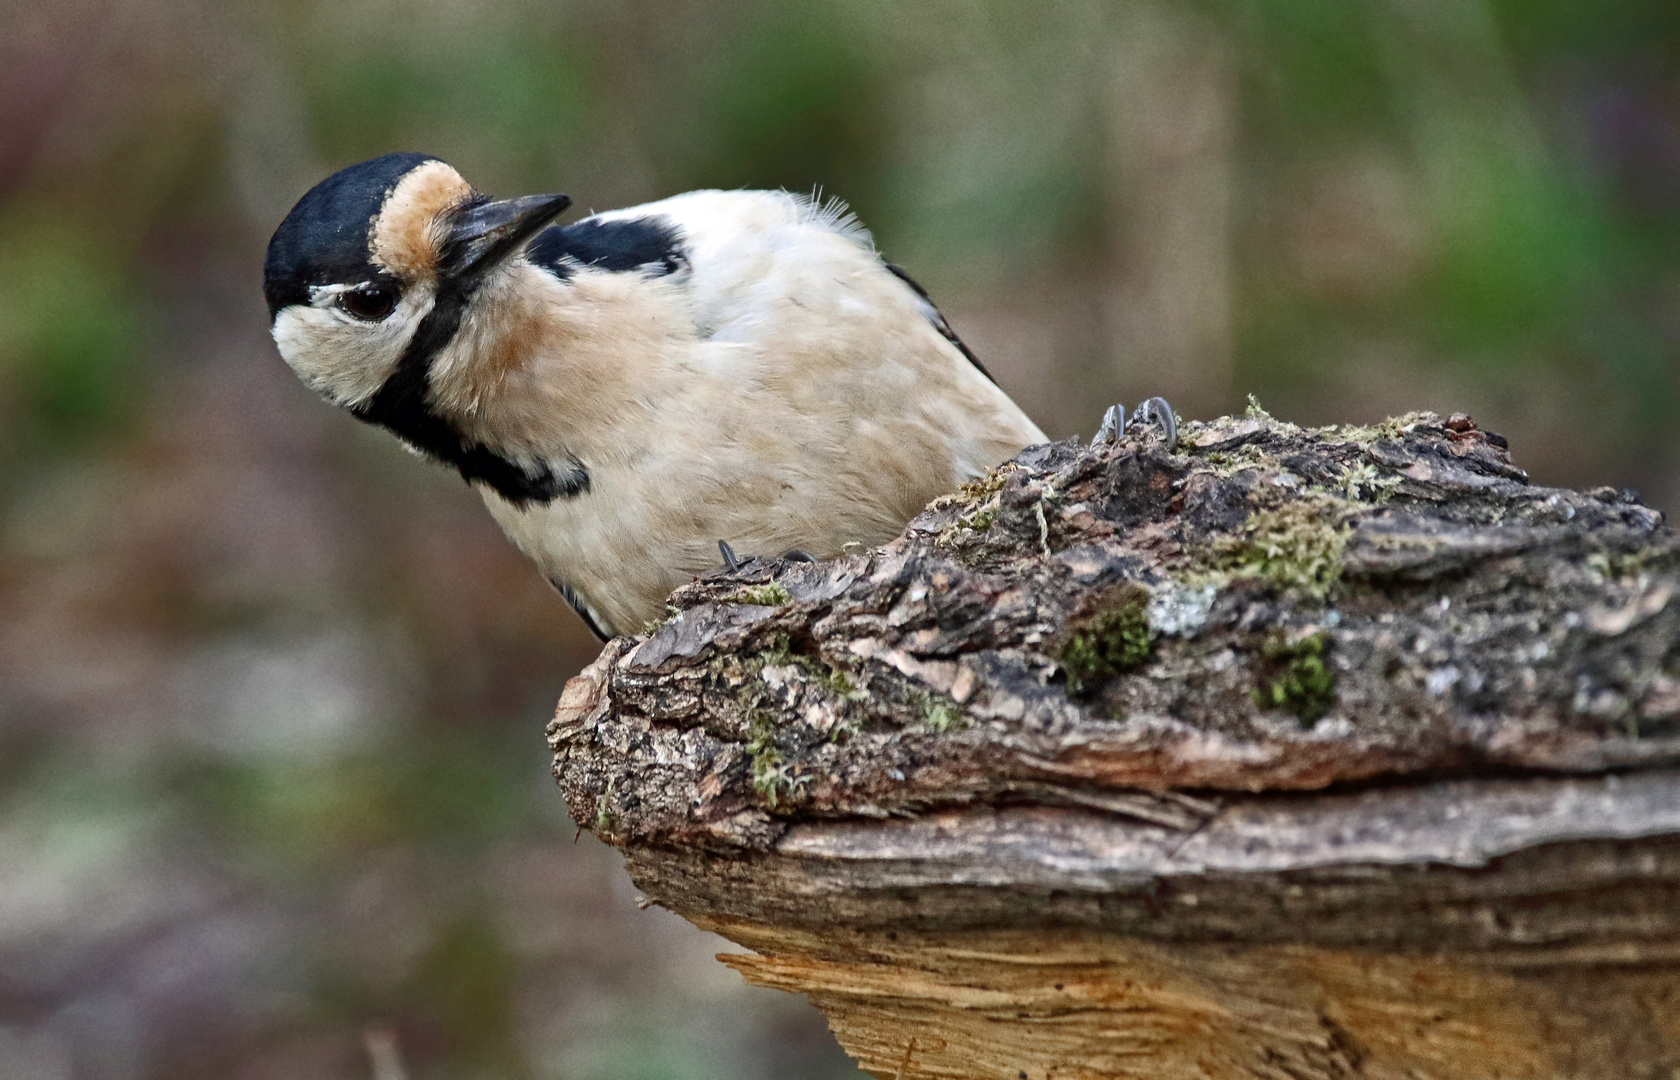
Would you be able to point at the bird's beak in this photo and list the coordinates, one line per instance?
(482, 236)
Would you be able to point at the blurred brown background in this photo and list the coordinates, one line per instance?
(272, 691)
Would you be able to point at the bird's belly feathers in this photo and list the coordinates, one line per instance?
(640, 531)
(764, 478)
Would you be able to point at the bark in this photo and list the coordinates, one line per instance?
(1292, 753)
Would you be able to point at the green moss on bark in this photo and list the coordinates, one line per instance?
(1112, 640)
(1296, 676)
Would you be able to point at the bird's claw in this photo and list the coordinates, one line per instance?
(734, 562)
(1161, 413)
(1113, 426)
(1155, 410)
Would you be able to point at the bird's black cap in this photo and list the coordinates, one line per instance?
(324, 240)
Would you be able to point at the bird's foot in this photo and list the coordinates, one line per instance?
(1155, 411)
(734, 562)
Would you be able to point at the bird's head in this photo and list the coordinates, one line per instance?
(374, 269)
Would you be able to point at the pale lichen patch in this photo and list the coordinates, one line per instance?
(771, 594)
(1179, 610)
(1297, 546)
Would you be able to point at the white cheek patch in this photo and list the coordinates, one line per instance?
(343, 359)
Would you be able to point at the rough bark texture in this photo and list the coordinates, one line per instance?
(1292, 753)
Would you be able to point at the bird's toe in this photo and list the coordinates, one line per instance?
(1113, 426)
(1156, 411)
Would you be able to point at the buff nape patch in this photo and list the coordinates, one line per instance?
(409, 232)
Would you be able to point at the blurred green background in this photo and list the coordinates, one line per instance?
(273, 787)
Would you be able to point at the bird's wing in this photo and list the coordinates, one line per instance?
(935, 317)
(649, 243)
(739, 244)
(752, 263)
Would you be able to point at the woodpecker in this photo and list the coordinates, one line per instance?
(631, 390)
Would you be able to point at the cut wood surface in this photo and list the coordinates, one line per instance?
(1287, 753)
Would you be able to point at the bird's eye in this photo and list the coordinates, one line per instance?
(370, 303)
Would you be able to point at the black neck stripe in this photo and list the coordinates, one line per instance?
(401, 406)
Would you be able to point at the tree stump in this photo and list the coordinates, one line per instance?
(1289, 753)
